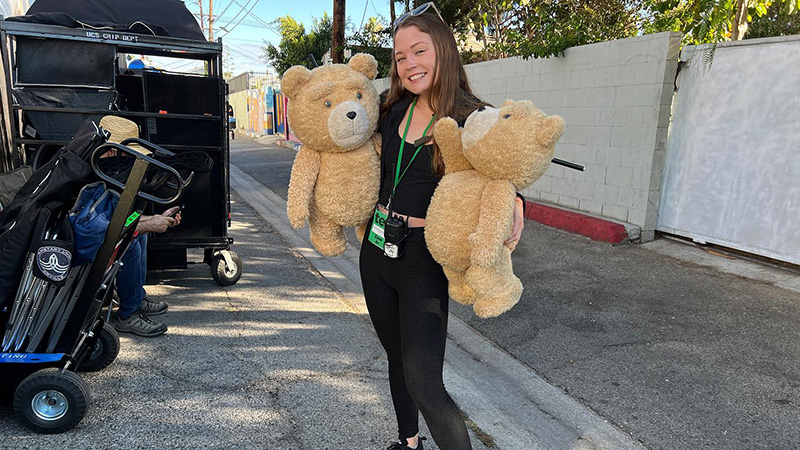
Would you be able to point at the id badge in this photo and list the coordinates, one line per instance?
(376, 232)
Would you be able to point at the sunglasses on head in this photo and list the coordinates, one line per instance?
(418, 11)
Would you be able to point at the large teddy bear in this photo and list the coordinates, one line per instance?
(334, 183)
(498, 153)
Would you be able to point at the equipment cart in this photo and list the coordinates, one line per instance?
(54, 77)
(52, 322)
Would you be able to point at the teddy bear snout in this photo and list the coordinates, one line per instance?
(478, 124)
(349, 125)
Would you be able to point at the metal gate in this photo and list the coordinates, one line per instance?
(732, 174)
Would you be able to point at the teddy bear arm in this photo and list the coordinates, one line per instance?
(448, 137)
(301, 185)
(496, 214)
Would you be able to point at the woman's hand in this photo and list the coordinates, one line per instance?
(517, 225)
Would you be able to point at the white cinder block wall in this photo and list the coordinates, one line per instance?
(615, 98)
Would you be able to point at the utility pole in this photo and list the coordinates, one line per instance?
(202, 17)
(337, 40)
(391, 13)
(211, 20)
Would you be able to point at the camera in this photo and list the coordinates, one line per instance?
(394, 232)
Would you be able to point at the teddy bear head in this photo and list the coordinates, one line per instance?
(514, 142)
(333, 108)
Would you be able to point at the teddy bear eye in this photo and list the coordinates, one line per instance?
(328, 103)
(358, 95)
(506, 116)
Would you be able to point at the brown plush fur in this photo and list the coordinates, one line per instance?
(335, 176)
(498, 153)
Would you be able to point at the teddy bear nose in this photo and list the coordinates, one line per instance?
(351, 115)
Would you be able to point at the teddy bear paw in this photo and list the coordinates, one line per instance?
(461, 293)
(493, 307)
(296, 219)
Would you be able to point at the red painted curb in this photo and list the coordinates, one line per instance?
(574, 222)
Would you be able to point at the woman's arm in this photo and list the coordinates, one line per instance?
(518, 223)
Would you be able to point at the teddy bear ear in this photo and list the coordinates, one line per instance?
(294, 79)
(364, 63)
(508, 102)
(551, 130)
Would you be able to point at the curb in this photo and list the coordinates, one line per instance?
(592, 227)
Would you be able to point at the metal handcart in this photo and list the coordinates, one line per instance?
(53, 330)
(55, 77)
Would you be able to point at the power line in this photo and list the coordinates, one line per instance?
(252, 41)
(259, 19)
(366, 3)
(224, 9)
(243, 52)
(228, 30)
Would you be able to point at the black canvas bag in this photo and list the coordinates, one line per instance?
(53, 187)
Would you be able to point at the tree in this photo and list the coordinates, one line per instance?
(228, 65)
(374, 38)
(539, 28)
(543, 28)
(710, 21)
(778, 21)
(296, 45)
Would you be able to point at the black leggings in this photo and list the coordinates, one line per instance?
(407, 301)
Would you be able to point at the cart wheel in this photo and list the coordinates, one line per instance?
(223, 272)
(49, 401)
(105, 351)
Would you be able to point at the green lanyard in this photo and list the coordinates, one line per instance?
(397, 175)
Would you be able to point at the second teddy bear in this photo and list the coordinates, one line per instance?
(498, 153)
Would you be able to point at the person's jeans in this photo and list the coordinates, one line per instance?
(131, 276)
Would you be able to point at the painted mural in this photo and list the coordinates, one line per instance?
(262, 108)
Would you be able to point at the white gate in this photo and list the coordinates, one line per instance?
(732, 174)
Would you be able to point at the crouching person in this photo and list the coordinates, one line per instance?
(135, 308)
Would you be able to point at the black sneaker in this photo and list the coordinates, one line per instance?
(401, 445)
(152, 308)
(139, 324)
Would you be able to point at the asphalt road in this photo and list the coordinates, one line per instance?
(679, 355)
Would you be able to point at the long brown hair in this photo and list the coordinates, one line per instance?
(451, 94)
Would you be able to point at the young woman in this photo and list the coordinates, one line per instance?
(404, 287)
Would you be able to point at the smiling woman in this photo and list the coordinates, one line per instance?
(406, 290)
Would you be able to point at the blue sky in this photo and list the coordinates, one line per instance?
(247, 31)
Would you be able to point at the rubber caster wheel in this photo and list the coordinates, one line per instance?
(48, 401)
(105, 351)
(226, 272)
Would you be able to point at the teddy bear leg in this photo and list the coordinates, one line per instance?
(327, 237)
(496, 288)
(458, 288)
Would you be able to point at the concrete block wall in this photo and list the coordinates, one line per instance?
(615, 98)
